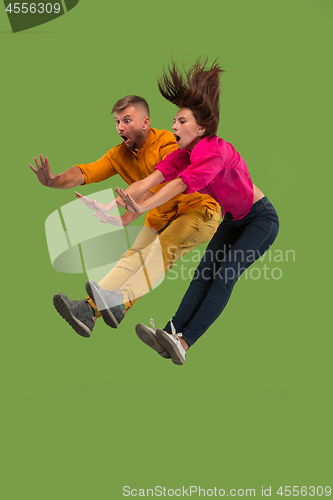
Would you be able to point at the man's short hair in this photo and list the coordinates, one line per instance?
(130, 100)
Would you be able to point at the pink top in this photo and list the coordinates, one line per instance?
(215, 168)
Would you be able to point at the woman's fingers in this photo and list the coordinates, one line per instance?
(122, 204)
(121, 193)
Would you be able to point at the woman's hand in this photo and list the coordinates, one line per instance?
(94, 205)
(129, 203)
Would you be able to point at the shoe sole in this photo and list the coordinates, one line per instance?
(107, 315)
(149, 339)
(164, 339)
(62, 307)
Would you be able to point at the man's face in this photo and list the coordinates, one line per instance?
(132, 126)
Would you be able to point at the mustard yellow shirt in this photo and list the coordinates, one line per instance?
(132, 167)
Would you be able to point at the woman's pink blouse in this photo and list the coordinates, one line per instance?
(215, 168)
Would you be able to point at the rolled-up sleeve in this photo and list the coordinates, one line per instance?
(99, 170)
(173, 165)
(168, 147)
(201, 172)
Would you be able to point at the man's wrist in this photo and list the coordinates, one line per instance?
(129, 217)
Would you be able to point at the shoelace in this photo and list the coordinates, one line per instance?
(152, 322)
(174, 333)
(79, 312)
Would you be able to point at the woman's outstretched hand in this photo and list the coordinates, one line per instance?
(128, 202)
(94, 205)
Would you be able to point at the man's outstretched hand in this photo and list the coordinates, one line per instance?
(43, 172)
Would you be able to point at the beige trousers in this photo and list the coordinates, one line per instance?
(144, 265)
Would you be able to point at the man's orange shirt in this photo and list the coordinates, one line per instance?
(132, 167)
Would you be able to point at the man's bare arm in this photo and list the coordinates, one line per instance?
(68, 179)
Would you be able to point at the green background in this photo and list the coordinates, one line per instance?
(252, 406)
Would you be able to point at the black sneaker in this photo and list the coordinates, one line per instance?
(76, 313)
(107, 302)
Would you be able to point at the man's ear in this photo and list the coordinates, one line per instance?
(146, 122)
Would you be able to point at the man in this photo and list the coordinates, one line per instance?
(170, 231)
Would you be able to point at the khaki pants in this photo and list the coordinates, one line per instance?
(144, 265)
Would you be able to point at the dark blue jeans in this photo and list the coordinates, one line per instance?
(233, 248)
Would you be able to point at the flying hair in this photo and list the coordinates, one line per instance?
(197, 89)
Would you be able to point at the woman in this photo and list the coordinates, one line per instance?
(208, 164)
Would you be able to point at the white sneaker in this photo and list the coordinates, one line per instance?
(171, 343)
(148, 336)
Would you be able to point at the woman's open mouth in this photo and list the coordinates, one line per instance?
(177, 137)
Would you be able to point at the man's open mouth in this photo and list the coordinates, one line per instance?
(124, 138)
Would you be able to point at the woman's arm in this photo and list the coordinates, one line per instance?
(135, 190)
(141, 187)
(165, 194)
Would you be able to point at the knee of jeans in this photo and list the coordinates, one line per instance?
(169, 252)
(227, 275)
(204, 275)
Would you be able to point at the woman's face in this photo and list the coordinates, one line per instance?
(186, 129)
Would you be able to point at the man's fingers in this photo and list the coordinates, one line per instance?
(33, 169)
(37, 164)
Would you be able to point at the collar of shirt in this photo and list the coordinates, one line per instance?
(151, 139)
(201, 144)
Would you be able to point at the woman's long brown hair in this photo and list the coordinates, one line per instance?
(199, 91)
